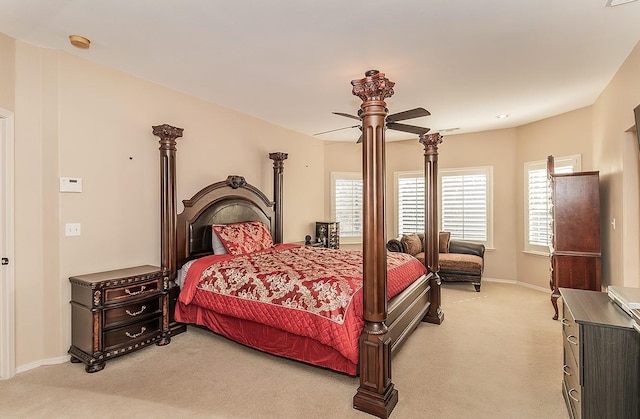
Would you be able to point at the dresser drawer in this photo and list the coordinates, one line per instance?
(134, 311)
(571, 376)
(571, 333)
(138, 289)
(133, 333)
(572, 406)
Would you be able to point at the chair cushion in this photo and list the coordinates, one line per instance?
(412, 244)
(459, 262)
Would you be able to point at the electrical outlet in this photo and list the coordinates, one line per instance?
(72, 229)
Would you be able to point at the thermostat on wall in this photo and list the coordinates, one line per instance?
(70, 184)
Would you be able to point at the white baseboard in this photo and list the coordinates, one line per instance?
(521, 283)
(42, 362)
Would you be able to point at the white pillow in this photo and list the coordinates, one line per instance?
(218, 247)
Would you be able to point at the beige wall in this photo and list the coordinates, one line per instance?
(612, 120)
(78, 119)
(7, 53)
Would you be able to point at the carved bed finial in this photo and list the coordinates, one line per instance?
(236, 181)
(168, 135)
(374, 86)
(278, 160)
(431, 142)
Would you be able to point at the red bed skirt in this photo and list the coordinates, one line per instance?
(267, 339)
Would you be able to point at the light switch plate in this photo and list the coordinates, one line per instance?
(70, 184)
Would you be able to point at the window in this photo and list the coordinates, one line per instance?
(466, 198)
(537, 201)
(465, 203)
(410, 203)
(346, 191)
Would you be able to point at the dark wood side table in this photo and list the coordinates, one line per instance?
(117, 312)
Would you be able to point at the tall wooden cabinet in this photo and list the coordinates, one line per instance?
(575, 249)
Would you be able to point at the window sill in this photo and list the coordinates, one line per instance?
(536, 253)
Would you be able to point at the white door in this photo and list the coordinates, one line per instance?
(7, 310)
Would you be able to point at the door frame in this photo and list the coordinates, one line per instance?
(7, 246)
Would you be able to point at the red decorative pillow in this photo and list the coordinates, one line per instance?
(241, 238)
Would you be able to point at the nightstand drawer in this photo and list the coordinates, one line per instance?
(133, 290)
(133, 333)
(132, 311)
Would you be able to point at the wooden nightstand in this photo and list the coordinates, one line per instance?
(116, 312)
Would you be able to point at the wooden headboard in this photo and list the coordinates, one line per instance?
(230, 201)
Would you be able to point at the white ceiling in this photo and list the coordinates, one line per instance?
(290, 62)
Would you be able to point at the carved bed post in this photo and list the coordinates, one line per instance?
(278, 169)
(431, 239)
(168, 136)
(376, 394)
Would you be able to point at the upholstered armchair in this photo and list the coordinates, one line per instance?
(459, 260)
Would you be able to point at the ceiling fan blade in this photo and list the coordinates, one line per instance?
(410, 114)
(407, 128)
(346, 115)
(360, 139)
(337, 129)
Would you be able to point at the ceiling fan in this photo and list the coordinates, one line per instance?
(391, 122)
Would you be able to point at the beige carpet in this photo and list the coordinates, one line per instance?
(498, 354)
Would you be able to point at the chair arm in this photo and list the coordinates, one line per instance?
(465, 247)
(395, 245)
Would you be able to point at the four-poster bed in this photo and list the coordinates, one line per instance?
(228, 207)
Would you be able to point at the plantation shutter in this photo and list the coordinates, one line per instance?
(539, 205)
(464, 206)
(410, 205)
(348, 206)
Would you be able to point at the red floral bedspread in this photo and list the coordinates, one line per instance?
(306, 291)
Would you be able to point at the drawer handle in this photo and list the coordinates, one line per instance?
(564, 322)
(573, 398)
(571, 341)
(565, 370)
(135, 313)
(135, 335)
(142, 288)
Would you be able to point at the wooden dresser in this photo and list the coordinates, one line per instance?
(601, 357)
(575, 251)
(116, 312)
